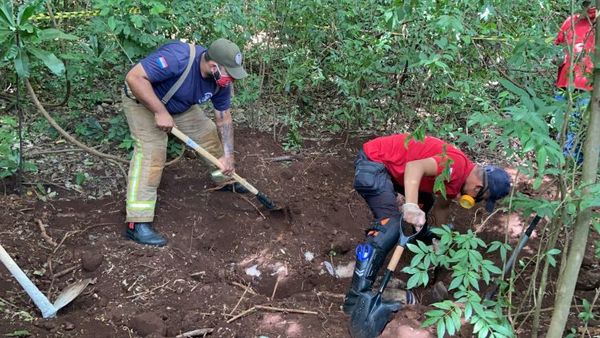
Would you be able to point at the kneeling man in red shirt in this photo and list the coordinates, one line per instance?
(401, 164)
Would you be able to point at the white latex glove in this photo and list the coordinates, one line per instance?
(413, 215)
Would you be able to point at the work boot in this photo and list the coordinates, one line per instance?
(382, 236)
(365, 272)
(235, 187)
(144, 234)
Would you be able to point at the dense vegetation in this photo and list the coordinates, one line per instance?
(479, 73)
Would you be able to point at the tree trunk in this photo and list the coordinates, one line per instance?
(566, 288)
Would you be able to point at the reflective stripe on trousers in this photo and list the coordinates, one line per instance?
(149, 153)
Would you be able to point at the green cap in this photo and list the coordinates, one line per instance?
(227, 53)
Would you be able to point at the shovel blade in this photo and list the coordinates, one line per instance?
(371, 315)
(70, 293)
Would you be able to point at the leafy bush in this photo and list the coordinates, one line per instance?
(460, 253)
(9, 148)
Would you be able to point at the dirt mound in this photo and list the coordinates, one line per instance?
(229, 266)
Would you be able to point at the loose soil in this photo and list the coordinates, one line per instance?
(202, 278)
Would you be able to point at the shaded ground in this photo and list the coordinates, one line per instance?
(200, 280)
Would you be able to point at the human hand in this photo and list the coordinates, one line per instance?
(413, 215)
(228, 165)
(164, 121)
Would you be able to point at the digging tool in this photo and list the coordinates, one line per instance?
(492, 292)
(262, 198)
(48, 309)
(371, 315)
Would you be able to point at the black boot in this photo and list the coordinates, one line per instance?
(370, 256)
(144, 234)
(365, 272)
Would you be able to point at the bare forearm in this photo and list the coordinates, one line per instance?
(413, 173)
(225, 125)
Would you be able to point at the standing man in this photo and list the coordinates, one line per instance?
(576, 34)
(165, 90)
(398, 163)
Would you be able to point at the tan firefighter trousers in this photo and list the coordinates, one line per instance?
(150, 153)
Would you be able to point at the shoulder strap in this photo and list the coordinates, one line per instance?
(183, 76)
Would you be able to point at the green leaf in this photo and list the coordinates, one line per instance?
(50, 60)
(112, 23)
(53, 34)
(468, 311)
(416, 259)
(80, 178)
(26, 11)
(450, 325)
(19, 333)
(6, 13)
(414, 248)
(513, 88)
(412, 281)
(441, 329)
(22, 64)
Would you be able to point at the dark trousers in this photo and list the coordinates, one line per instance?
(374, 183)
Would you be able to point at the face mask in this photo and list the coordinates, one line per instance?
(221, 80)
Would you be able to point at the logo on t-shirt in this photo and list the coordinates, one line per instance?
(162, 62)
(205, 98)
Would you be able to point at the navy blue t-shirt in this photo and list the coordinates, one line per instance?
(164, 67)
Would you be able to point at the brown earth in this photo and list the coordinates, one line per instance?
(200, 280)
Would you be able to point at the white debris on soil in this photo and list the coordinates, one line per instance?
(345, 271)
(330, 268)
(253, 271)
(279, 269)
(309, 256)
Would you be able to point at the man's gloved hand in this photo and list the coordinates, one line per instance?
(413, 215)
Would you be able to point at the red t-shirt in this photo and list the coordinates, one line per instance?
(391, 151)
(584, 45)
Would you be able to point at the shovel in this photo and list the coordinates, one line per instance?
(262, 198)
(492, 292)
(48, 309)
(371, 315)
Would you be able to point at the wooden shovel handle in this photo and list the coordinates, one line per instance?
(185, 139)
(395, 258)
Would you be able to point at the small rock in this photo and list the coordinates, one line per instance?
(90, 261)
(147, 324)
(46, 324)
(68, 326)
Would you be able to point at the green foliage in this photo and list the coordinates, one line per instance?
(586, 314)
(294, 138)
(460, 253)
(9, 148)
(9, 141)
(20, 39)
(19, 333)
(133, 30)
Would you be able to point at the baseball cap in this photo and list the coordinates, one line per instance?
(498, 185)
(228, 54)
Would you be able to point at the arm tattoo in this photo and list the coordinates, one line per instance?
(226, 130)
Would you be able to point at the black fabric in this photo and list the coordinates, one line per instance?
(373, 182)
(366, 268)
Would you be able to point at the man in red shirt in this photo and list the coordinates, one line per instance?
(577, 31)
(577, 35)
(398, 163)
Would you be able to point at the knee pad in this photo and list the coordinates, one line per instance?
(384, 233)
